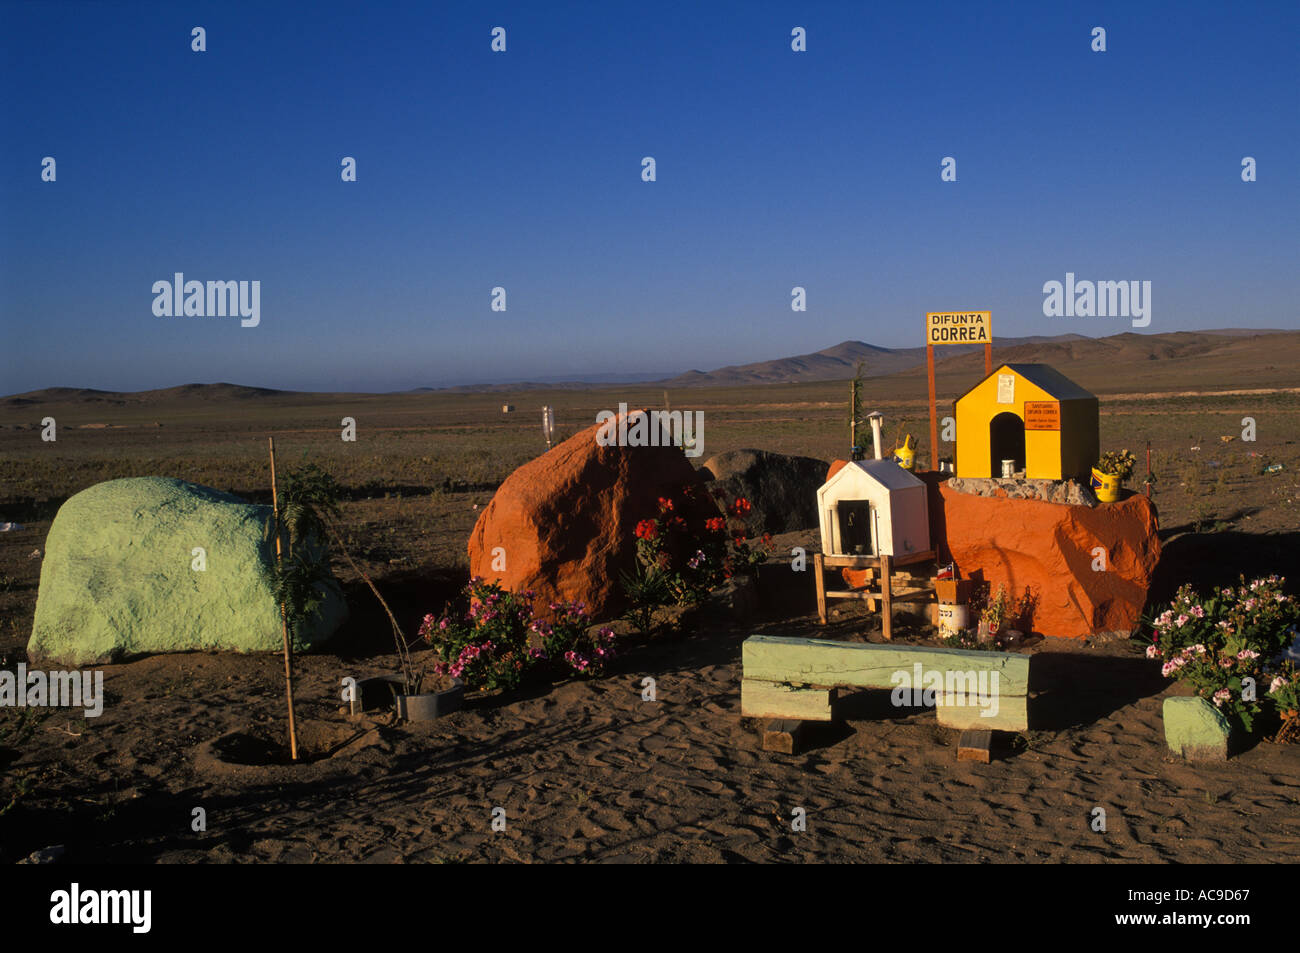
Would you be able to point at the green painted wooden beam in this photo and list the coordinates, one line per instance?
(1012, 715)
(862, 665)
(773, 700)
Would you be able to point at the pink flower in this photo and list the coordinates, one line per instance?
(1153, 652)
(1221, 696)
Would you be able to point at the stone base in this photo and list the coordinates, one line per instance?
(1069, 492)
(1196, 729)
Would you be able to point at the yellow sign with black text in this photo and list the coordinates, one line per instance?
(959, 327)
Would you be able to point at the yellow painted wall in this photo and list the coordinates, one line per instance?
(1042, 452)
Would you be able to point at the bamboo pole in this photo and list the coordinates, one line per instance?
(284, 616)
(1148, 469)
(853, 415)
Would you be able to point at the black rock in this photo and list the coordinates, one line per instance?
(782, 489)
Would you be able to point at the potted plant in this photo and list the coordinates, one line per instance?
(311, 507)
(995, 612)
(1108, 476)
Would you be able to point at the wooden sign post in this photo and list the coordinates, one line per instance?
(954, 327)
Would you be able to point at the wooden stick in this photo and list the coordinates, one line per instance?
(819, 570)
(403, 650)
(1148, 469)
(886, 598)
(284, 616)
(853, 414)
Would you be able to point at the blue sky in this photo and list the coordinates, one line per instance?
(523, 170)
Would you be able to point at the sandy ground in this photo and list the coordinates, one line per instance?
(589, 771)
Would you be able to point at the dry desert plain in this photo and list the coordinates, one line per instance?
(587, 770)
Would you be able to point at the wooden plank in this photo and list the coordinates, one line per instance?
(851, 562)
(975, 746)
(907, 596)
(1012, 715)
(907, 580)
(819, 574)
(873, 562)
(802, 661)
(760, 699)
(783, 735)
(920, 595)
(886, 598)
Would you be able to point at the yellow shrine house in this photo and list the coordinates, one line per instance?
(1032, 414)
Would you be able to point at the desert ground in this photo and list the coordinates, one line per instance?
(585, 769)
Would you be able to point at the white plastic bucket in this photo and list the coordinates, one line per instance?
(953, 618)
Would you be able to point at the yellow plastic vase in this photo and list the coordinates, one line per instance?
(905, 456)
(1105, 486)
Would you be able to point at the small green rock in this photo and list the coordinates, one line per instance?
(119, 576)
(1197, 730)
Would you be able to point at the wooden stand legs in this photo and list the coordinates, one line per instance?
(819, 574)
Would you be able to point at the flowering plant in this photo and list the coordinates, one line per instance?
(694, 556)
(1117, 463)
(997, 610)
(1215, 642)
(1283, 690)
(499, 641)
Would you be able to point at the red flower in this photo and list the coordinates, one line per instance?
(715, 525)
(741, 506)
(678, 522)
(665, 505)
(646, 529)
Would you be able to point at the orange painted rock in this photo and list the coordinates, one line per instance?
(1086, 569)
(563, 524)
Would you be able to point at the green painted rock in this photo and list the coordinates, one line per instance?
(121, 577)
(1196, 729)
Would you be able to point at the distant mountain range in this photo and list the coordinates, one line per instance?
(1125, 350)
(1233, 357)
(839, 363)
